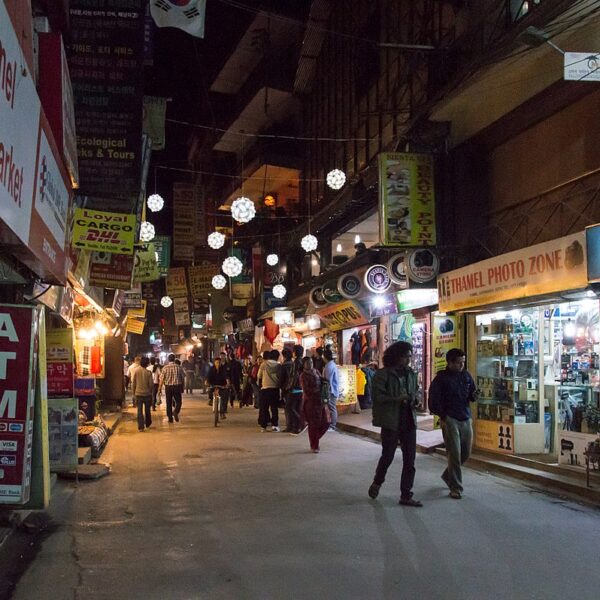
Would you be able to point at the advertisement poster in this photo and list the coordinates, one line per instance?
(63, 433)
(342, 316)
(110, 270)
(552, 266)
(176, 283)
(135, 325)
(151, 293)
(406, 199)
(347, 383)
(59, 360)
(184, 221)
(107, 231)
(494, 436)
(201, 279)
(105, 62)
(444, 336)
(162, 246)
(17, 397)
(145, 267)
(182, 311)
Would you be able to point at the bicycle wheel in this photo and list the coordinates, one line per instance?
(216, 402)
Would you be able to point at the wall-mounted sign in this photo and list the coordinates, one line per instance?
(377, 279)
(145, 267)
(59, 362)
(406, 200)
(380, 305)
(422, 265)
(283, 317)
(342, 316)
(349, 285)
(182, 311)
(111, 270)
(494, 436)
(396, 267)
(162, 246)
(331, 293)
(316, 297)
(417, 298)
(184, 221)
(201, 279)
(176, 282)
(107, 231)
(553, 266)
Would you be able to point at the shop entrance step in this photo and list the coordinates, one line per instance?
(84, 455)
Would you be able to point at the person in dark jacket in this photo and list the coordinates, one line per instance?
(395, 398)
(218, 376)
(318, 360)
(287, 373)
(450, 393)
(236, 374)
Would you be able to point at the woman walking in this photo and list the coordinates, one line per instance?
(155, 368)
(316, 413)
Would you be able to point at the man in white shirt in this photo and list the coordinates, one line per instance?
(331, 375)
(131, 370)
(269, 380)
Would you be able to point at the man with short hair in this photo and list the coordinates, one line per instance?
(318, 362)
(188, 372)
(172, 379)
(269, 379)
(295, 393)
(330, 375)
(141, 387)
(287, 372)
(131, 370)
(450, 394)
(218, 377)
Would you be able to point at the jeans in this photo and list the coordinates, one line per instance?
(173, 396)
(332, 404)
(268, 401)
(189, 381)
(154, 394)
(143, 405)
(223, 398)
(293, 418)
(255, 393)
(408, 444)
(458, 437)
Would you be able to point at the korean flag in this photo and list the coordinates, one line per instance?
(184, 14)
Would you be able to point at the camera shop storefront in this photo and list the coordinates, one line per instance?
(533, 339)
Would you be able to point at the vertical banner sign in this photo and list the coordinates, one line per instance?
(444, 337)
(63, 433)
(406, 200)
(184, 221)
(182, 311)
(19, 126)
(59, 360)
(17, 397)
(201, 280)
(162, 246)
(111, 270)
(106, 60)
(176, 283)
(145, 266)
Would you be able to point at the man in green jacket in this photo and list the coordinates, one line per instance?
(395, 392)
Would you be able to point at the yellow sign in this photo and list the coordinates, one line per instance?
(176, 283)
(103, 231)
(494, 436)
(444, 336)
(145, 265)
(135, 325)
(139, 313)
(347, 384)
(553, 266)
(59, 345)
(406, 200)
(342, 316)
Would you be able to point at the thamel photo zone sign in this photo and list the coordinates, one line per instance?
(406, 199)
(18, 338)
(103, 231)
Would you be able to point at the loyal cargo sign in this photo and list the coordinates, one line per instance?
(553, 266)
(406, 200)
(342, 316)
(17, 342)
(107, 231)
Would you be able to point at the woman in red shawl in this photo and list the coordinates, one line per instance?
(315, 413)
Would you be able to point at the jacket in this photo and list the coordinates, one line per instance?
(390, 390)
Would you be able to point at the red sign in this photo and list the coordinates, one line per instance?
(17, 368)
(60, 380)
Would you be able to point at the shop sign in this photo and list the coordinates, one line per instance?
(162, 245)
(107, 231)
(406, 200)
(316, 297)
(331, 293)
(82, 260)
(241, 291)
(581, 66)
(184, 221)
(50, 296)
(269, 300)
(347, 384)
(572, 446)
(116, 305)
(151, 293)
(67, 304)
(133, 299)
(145, 267)
(60, 362)
(227, 328)
(19, 128)
(377, 279)
(201, 279)
(135, 325)
(18, 326)
(418, 298)
(110, 270)
(349, 285)
(396, 267)
(106, 66)
(182, 311)
(63, 437)
(140, 312)
(283, 317)
(495, 436)
(384, 304)
(246, 326)
(176, 282)
(554, 266)
(444, 337)
(244, 255)
(422, 265)
(342, 316)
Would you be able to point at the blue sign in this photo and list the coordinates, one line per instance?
(592, 239)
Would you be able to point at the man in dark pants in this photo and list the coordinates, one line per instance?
(269, 379)
(450, 393)
(172, 378)
(395, 391)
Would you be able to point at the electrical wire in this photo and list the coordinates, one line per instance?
(200, 172)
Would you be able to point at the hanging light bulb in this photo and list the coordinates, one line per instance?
(166, 301)
(243, 210)
(338, 248)
(272, 259)
(155, 202)
(219, 282)
(147, 232)
(232, 266)
(216, 240)
(336, 179)
(279, 291)
(357, 239)
(309, 243)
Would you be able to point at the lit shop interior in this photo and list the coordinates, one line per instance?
(538, 372)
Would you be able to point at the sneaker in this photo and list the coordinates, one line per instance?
(275, 429)
(332, 428)
(374, 490)
(455, 494)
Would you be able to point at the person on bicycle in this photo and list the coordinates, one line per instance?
(218, 377)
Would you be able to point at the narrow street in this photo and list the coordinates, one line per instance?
(194, 512)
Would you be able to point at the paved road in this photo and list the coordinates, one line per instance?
(194, 512)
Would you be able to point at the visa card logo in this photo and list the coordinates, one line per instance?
(8, 445)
